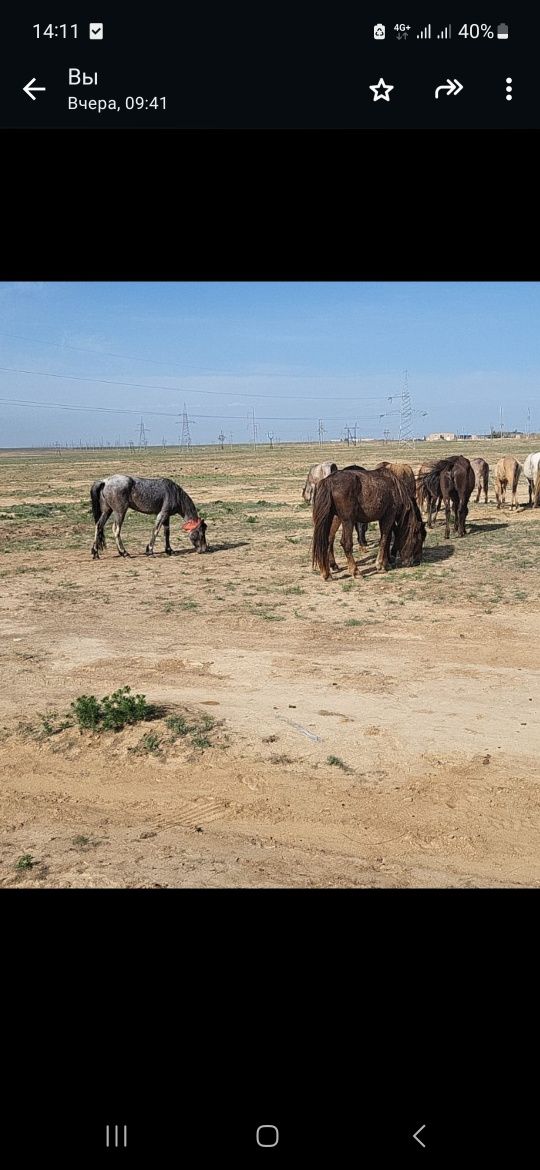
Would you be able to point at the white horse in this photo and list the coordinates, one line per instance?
(531, 469)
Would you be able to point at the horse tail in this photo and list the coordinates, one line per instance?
(537, 489)
(95, 497)
(516, 475)
(431, 482)
(324, 511)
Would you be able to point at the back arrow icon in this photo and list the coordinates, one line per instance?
(30, 87)
(417, 1139)
(454, 87)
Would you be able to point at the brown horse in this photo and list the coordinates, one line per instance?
(452, 481)
(507, 471)
(364, 496)
(314, 477)
(481, 475)
(405, 473)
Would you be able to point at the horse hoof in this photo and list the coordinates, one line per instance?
(168, 552)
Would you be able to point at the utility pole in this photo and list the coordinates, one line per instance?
(221, 438)
(500, 422)
(185, 441)
(321, 432)
(143, 441)
(271, 439)
(253, 425)
(528, 422)
(405, 414)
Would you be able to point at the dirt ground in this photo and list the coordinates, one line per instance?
(376, 732)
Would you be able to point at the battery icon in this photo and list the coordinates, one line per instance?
(502, 32)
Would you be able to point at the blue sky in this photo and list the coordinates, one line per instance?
(293, 352)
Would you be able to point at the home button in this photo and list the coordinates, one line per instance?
(267, 1136)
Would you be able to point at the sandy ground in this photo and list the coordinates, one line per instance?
(420, 685)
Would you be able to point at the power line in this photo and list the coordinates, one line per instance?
(180, 390)
(162, 413)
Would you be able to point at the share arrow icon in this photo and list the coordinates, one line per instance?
(32, 89)
(453, 87)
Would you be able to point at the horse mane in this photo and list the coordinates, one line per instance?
(409, 516)
(183, 502)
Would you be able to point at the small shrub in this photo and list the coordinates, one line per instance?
(25, 862)
(177, 725)
(353, 622)
(87, 711)
(150, 743)
(251, 519)
(122, 707)
(200, 741)
(80, 840)
(337, 763)
(112, 712)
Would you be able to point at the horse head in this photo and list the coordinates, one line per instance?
(196, 530)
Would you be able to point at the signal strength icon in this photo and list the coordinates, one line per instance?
(445, 33)
(425, 35)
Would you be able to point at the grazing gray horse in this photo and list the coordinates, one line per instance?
(156, 497)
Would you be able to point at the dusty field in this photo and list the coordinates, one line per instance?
(420, 685)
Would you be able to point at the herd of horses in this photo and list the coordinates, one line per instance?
(392, 494)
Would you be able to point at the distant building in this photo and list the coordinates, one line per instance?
(449, 437)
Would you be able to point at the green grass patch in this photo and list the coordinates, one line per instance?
(197, 729)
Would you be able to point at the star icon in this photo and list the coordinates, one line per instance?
(378, 90)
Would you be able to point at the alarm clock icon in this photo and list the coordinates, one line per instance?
(379, 32)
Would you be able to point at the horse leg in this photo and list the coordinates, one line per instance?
(160, 518)
(479, 491)
(117, 525)
(429, 511)
(447, 515)
(331, 557)
(98, 533)
(486, 490)
(167, 532)
(361, 530)
(347, 546)
(386, 525)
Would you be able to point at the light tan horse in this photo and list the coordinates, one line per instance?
(531, 469)
(507, 472)
(315, 474)
(405, 473)
(481, 475)
(419, 473)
